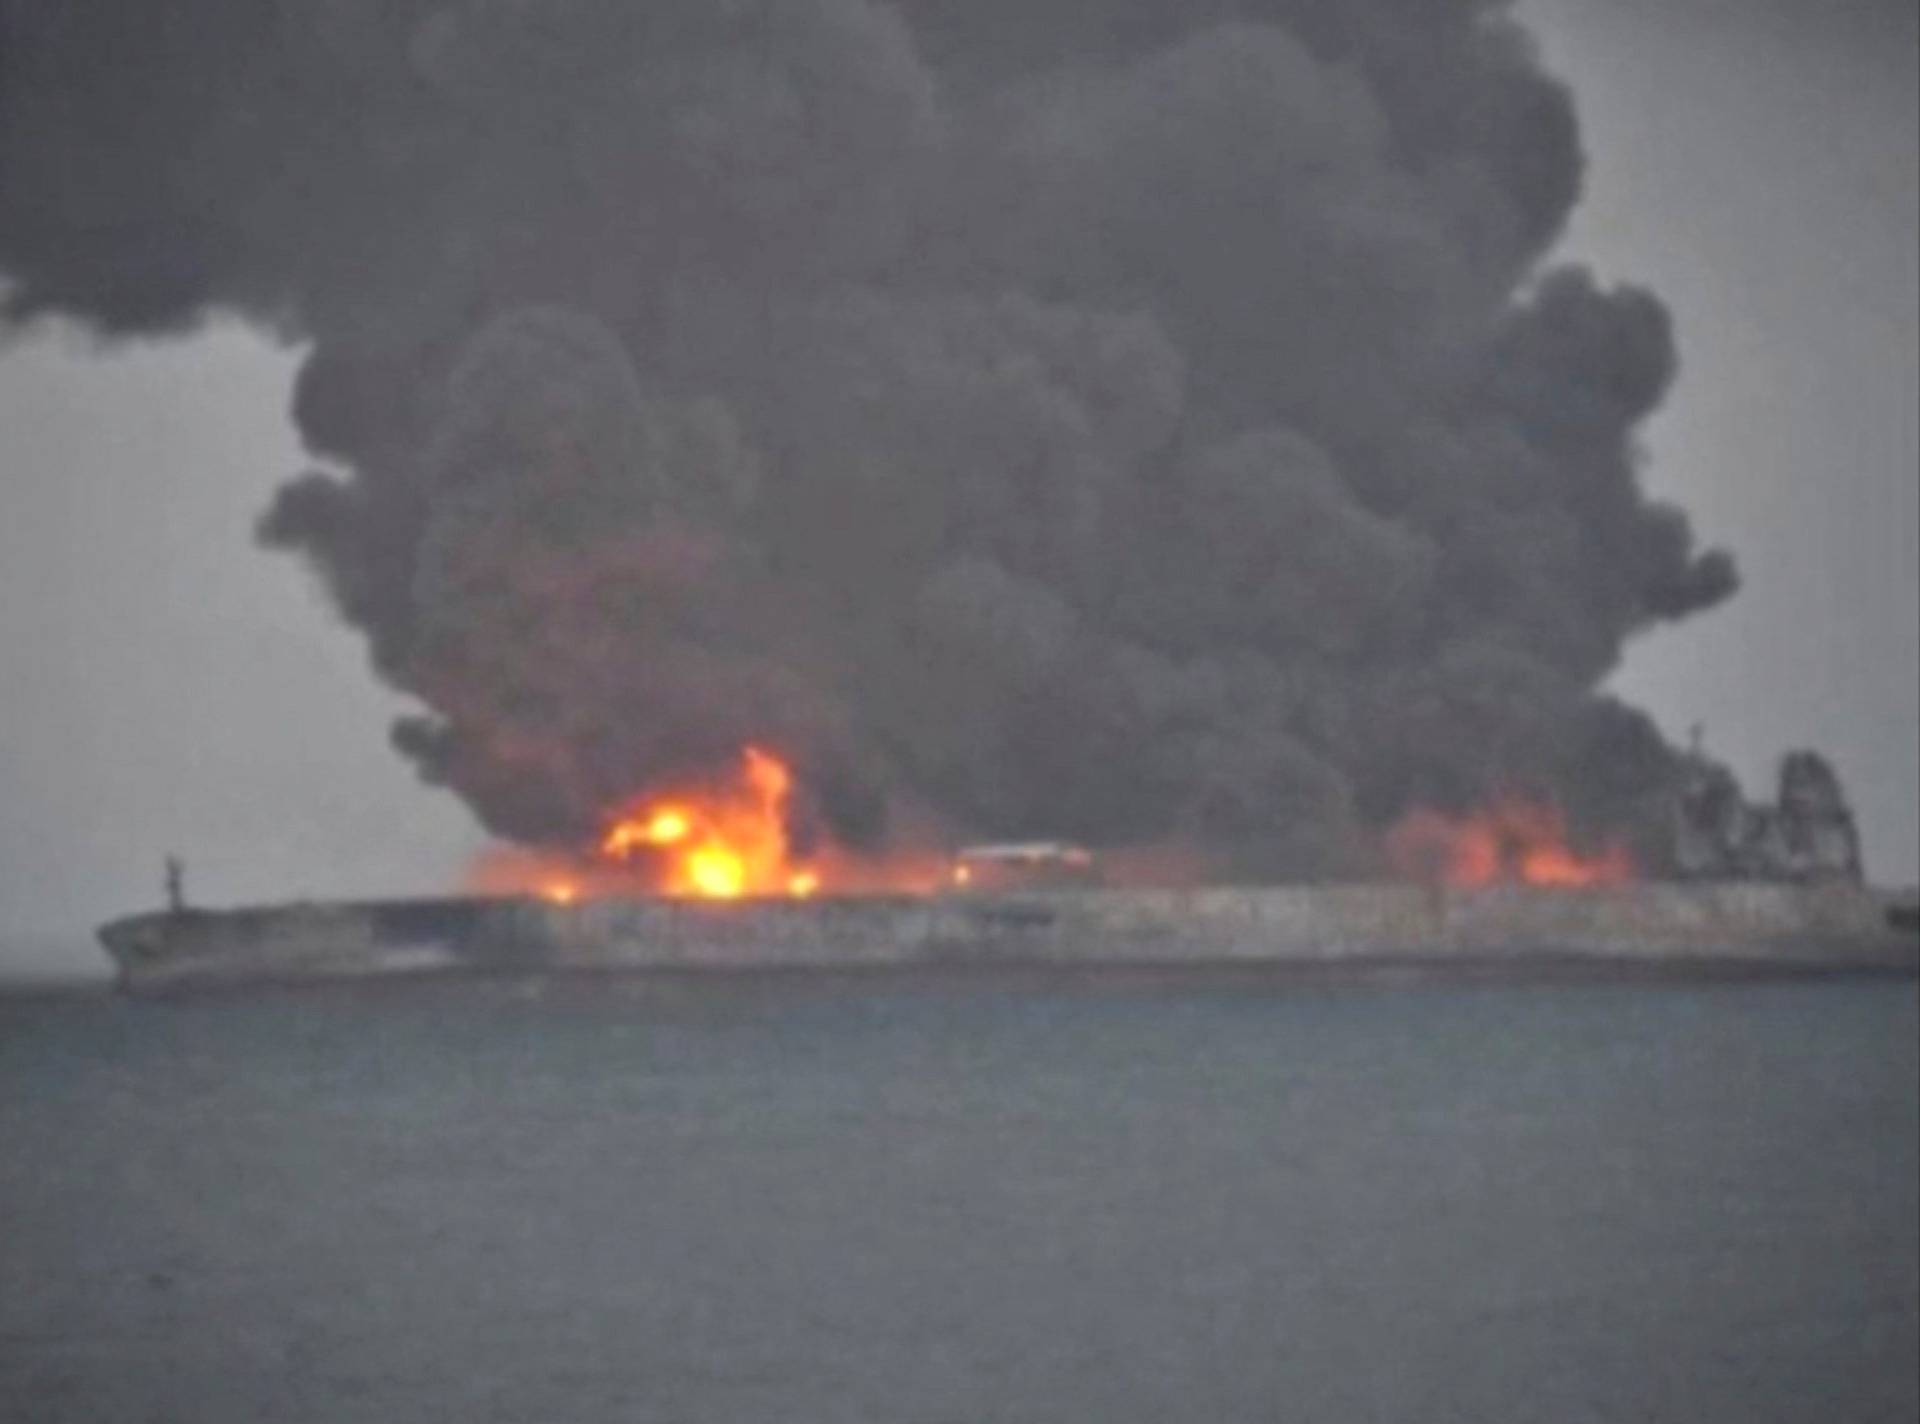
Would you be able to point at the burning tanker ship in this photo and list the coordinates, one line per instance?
(713, 880)
(1164, 424)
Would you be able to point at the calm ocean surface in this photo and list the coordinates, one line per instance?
(962, 1204)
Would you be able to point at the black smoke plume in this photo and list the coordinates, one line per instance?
(1125, 421)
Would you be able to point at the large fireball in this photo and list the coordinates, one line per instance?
(724, 843)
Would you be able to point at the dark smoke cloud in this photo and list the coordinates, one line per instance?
(1123, 421)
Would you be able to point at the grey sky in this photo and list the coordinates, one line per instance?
(169, 687)
(1755, 164)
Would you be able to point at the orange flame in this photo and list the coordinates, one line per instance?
(723, 844)
(560, 892)
(725, 838)
(1513, 841)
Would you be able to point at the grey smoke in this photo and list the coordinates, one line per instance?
(1126, 421)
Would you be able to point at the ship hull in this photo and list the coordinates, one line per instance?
(1648, 928)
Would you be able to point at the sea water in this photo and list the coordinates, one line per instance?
(967, 1202)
